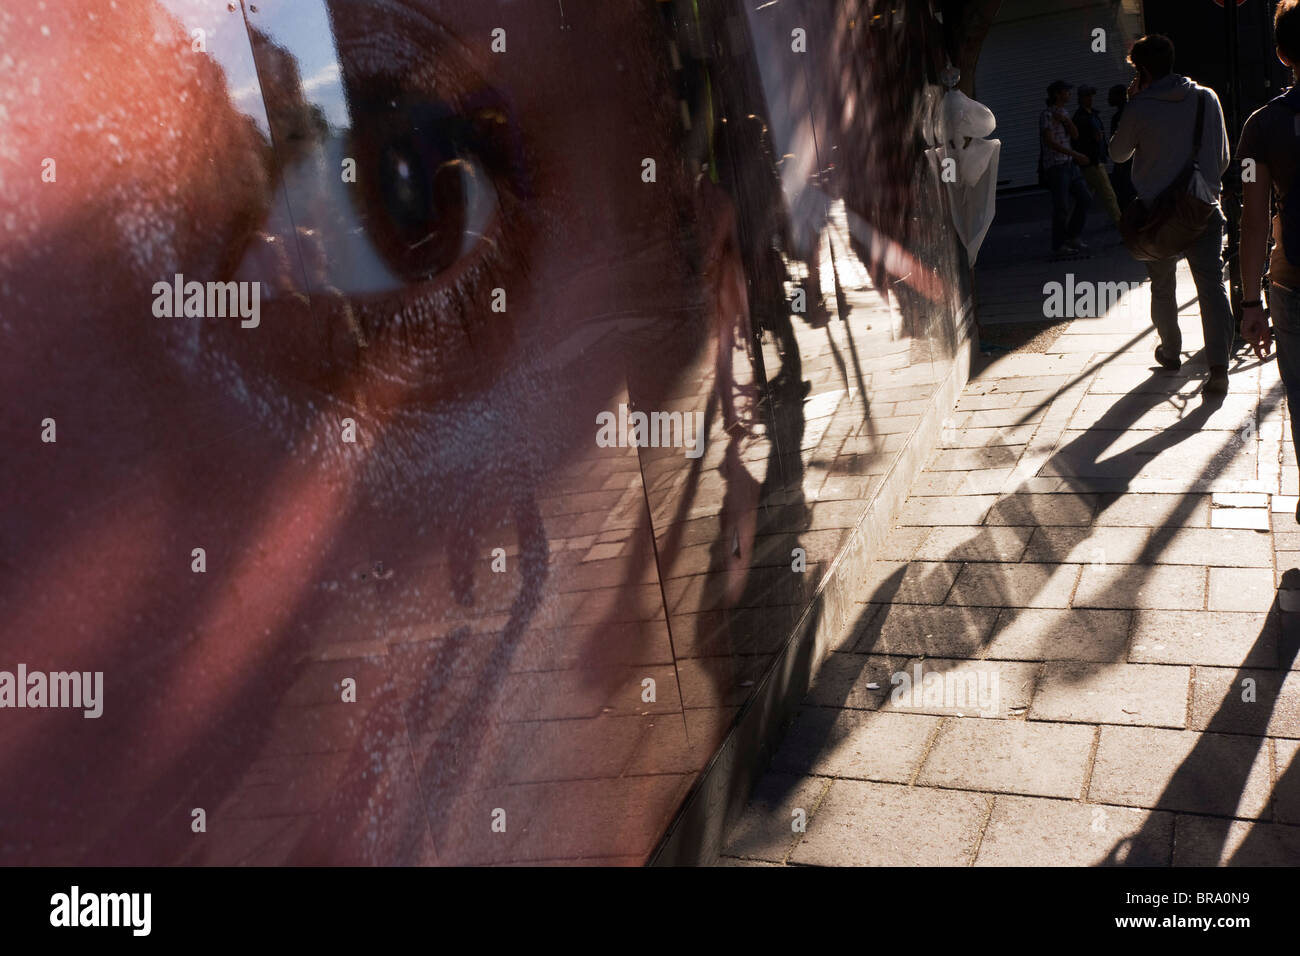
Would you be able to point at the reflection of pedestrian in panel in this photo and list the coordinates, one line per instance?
(1091, 141)
(1061, 175)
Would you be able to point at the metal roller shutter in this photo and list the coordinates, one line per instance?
(1032, 43)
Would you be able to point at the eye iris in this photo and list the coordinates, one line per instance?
(408, 194)
(425, 199)
(425, 192)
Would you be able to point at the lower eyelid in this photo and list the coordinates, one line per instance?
(419, 319)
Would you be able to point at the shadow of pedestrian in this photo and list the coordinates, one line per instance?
(1216, 777)
(948, 633)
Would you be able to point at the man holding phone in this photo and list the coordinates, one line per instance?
(1156, 130)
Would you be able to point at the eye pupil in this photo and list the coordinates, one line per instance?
(406, 191)
(405, 194)
(424, 195)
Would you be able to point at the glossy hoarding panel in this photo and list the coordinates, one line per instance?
(431, 418)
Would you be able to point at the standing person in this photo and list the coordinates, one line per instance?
(1157, 132)
(1090, 139)
(1061, 163)
(1121, 174)
(1269, 140)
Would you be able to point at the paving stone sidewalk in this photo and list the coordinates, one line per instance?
(1083, 587)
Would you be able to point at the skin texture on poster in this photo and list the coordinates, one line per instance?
(310, 313)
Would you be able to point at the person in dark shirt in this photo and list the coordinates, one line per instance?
(1091, 141)
(1271, 146)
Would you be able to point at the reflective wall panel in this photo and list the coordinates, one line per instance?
(425, 422)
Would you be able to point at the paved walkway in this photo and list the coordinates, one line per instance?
(1083, 588)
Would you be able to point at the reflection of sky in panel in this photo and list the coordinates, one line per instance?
(323, 202)
(227, 43)
(302, 27)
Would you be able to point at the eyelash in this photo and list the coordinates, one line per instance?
(461, 297)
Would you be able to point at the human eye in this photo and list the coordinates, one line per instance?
(403, 182)
(427, 179)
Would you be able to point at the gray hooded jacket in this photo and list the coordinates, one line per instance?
(1156, 131)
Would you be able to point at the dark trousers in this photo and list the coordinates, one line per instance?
(1205, 257)
(1065, 182)
(1284, 310)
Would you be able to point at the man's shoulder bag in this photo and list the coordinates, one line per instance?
(1167, 227)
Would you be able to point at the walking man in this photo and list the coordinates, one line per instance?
(1156, 130)
(1091, 141)
(1061, 163)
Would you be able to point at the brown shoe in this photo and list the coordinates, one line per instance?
(1217, 383)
